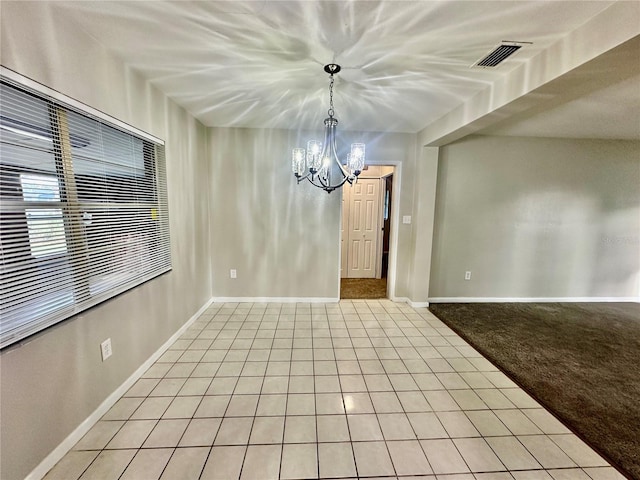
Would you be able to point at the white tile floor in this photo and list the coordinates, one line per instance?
(359, 389)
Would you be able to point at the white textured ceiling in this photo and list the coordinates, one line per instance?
(260, 64)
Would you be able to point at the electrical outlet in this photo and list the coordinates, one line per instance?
(467, 275)
(233, 273)
(406, 219)
(105, 348)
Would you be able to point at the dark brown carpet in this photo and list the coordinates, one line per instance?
(363, 288)
(581, 361)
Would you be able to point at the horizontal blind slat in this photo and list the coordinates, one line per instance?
(83, 211)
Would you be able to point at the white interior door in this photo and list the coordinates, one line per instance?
(362, 238)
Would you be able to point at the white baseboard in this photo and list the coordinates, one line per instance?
(399, 299)
(305, 300)
(67, 444)
(409, 302)
(532, 299)
(418, 304)
(276, 299)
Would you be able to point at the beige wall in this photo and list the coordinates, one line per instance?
(423, 220)
(55, 380)
(537, 217)
(282, 238)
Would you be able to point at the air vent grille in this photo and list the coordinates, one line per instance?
(498, 55)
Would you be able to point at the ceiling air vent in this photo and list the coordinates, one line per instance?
(499, 54)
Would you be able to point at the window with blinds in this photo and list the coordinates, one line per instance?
(83, 211)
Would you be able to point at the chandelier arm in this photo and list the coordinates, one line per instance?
(344, 171)
(329, 188)
(328, 155)
(317, 182)
(300, 178)
(342, 182)
(327, 140)
(324, 185)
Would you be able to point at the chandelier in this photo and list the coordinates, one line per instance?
(320, 163)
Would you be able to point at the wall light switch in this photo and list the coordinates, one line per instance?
(406, 219)
(233, 273)
(105, 348)
(467, 275)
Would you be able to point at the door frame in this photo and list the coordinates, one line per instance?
(395, 219)
(380, 254)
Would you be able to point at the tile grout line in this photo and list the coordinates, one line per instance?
(204, 465)
(435, 412)
(253, 419)
(394, 390)
(344, 405)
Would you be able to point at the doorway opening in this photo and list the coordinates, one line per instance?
(366, 233)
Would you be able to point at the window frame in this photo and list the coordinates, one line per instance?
(75, 217)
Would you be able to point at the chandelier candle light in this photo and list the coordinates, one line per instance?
(320, 163)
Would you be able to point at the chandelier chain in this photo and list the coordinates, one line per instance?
(331, 110)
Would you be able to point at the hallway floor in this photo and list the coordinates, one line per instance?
(356, 389)
(363, 288)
